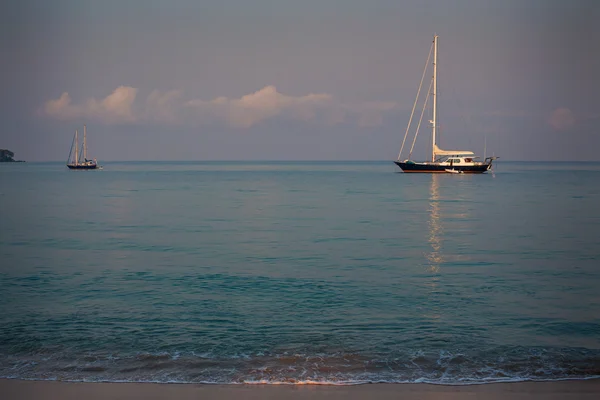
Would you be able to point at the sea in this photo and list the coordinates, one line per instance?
(334, 273)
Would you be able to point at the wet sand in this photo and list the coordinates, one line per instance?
(18, 389)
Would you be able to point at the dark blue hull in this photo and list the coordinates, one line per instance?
(436, 168)
(80, 166)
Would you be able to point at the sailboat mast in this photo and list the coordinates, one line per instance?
(434, 120)
(484, 145)
(84, 146)
(76, 149)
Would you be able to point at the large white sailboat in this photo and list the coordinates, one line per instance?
(444, 161)
(79, 159)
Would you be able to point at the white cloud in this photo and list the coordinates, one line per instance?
(61, 108)
(562, 119)
(243, 112)
(268, 103)
(263, 104)
(114, 108)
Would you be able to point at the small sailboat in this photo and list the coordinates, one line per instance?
(444, 161)
(79, 158)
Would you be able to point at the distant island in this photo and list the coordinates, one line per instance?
(7, 156)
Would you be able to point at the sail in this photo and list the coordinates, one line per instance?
(439, 152)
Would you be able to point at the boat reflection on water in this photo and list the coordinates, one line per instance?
(436, 231)
(448, 226)
(433, 256)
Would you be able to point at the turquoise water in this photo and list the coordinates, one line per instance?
(329, 272)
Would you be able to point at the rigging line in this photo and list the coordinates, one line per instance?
(71, 151)
(420, 119)
(415, 103)
(80, 153)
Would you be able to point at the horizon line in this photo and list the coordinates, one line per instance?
(291, 160)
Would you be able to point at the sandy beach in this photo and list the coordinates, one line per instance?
(19, 389)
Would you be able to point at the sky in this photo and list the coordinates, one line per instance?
(297, 80)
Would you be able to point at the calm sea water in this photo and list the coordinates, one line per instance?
(290, 272)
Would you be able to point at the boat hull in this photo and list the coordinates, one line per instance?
(438, 168)
(83, 166)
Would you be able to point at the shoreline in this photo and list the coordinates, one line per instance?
(566, 389)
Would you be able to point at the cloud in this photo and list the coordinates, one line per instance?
(114, 108)
(243, 112)
(268, 103)
(562, 119)
(261, 105)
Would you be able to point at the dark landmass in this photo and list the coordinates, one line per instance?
(7, 156)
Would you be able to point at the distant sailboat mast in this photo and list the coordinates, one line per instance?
(76, 148)
(484, 144)
(84, 146)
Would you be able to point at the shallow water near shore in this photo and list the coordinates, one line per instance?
(299, 272)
